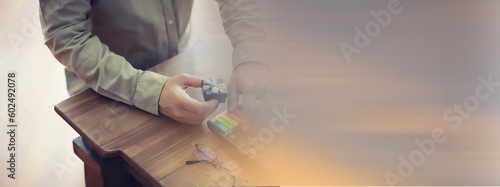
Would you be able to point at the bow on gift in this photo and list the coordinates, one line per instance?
(214, 85)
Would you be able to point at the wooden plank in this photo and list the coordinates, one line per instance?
(152, 146)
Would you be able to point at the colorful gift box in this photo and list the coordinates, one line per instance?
(214, 89)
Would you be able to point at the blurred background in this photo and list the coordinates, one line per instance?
(353, 120)
(44, 150)
(356, 119)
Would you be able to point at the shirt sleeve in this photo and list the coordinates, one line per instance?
(241, 23)
(111, 75)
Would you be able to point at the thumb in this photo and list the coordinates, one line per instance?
(210, 106)
(194, 106)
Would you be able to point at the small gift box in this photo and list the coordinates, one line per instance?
(214, 89)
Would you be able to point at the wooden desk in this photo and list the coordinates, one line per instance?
(153, 147)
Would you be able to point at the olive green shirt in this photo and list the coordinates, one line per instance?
(108, 45)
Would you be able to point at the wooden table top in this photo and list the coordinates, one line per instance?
(154, 146)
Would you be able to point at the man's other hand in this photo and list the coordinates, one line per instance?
(252, 81)
(178, 105)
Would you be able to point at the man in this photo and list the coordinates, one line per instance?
(108, 44)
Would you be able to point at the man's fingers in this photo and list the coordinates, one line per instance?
(232, 96)
(209, 106)
(194, 106)
(195, 112)
(247, 105)
(189, 80)
(177, 104)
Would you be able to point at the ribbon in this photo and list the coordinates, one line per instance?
(214, 85)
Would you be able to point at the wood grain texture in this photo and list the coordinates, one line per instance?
(152, 146)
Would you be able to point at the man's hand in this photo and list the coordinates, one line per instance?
(178, 105)
(252, 81)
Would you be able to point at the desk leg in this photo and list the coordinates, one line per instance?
(99, 171)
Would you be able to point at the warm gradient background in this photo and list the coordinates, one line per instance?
(352, 121)
(355, 119)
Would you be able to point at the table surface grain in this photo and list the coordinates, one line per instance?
(152, 146)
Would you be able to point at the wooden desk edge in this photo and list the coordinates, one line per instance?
(131, 166)
(144, 177)
(103, 153)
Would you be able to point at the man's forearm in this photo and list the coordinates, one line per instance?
(85, 55)
(241, 23)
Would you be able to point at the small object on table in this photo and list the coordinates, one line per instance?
(214, 89)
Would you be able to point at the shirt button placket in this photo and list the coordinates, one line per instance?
(173, 36)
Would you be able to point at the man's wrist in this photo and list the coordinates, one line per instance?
(148, 91)
(262, 65)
